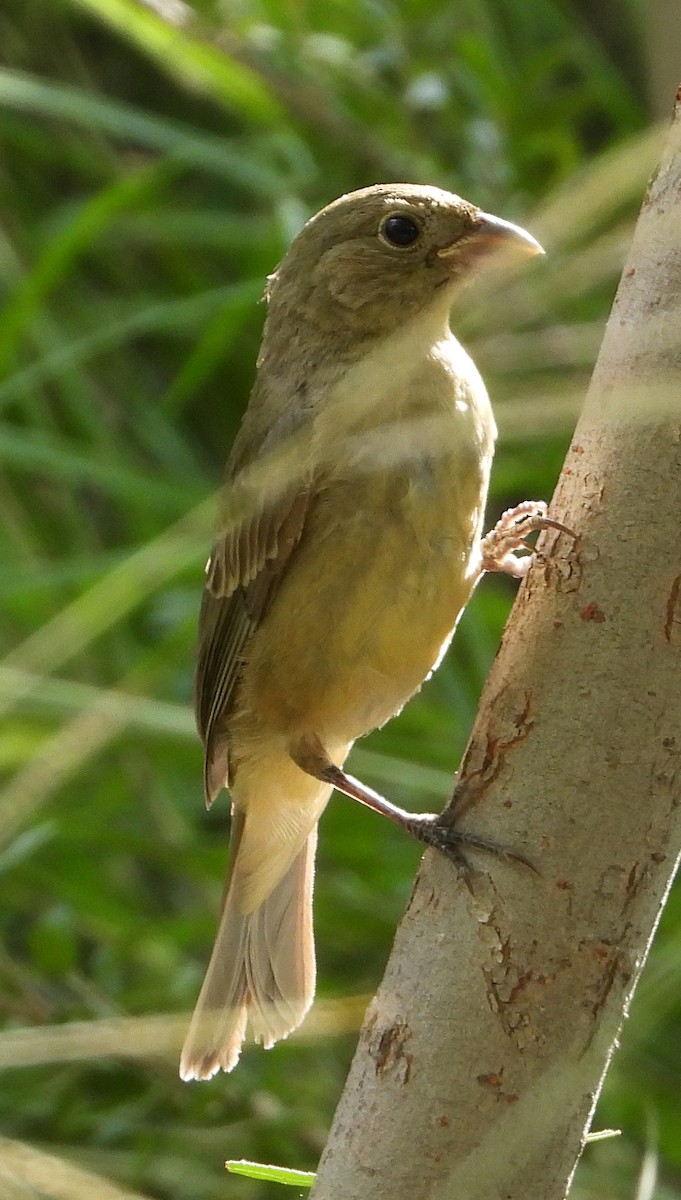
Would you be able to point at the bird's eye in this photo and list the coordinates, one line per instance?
(400, 231)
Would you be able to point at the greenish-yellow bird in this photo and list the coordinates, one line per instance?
(349, 542)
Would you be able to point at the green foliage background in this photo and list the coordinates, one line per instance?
(154, 163)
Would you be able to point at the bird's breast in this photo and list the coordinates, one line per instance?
(389, 553)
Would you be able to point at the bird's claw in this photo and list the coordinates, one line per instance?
(498, 547)
(434, 830)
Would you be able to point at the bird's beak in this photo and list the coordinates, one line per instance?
(490, 232)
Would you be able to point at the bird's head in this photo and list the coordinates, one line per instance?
(376, 257)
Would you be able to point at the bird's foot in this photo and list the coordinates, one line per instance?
(435, 830)
(498, 547)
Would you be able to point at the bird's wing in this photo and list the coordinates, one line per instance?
(266, 510)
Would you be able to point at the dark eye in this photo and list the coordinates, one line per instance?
(400, 231)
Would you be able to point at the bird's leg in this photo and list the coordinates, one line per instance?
(440, 830)
(430, 828)
(513, 527)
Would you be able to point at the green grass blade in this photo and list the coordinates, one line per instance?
(241, 165)
(167, 315)
(66, 696)
(272, 1174)
(116, 594)
(88, 223)
(188, 59)
(64, 462)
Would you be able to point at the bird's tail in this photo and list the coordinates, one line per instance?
(262, 969)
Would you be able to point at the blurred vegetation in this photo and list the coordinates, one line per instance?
(155, 161)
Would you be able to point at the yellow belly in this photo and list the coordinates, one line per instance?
(389, 553)
(369, 603)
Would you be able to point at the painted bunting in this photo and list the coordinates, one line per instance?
(349, 541)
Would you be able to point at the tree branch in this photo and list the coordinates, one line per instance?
(483, 1053)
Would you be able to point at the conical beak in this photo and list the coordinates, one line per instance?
(494, 229)
(488, 232)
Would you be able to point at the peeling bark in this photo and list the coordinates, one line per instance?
(483, 1053)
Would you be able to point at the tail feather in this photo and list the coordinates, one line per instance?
(283, 953)
(262, 969)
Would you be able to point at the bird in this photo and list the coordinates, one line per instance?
(349, 540)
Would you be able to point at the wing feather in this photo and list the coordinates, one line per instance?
(242, 575)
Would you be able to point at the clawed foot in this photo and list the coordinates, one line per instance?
(435, 831)
(513, 527)
(430, 828)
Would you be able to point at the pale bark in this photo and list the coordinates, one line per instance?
(482, 1055)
